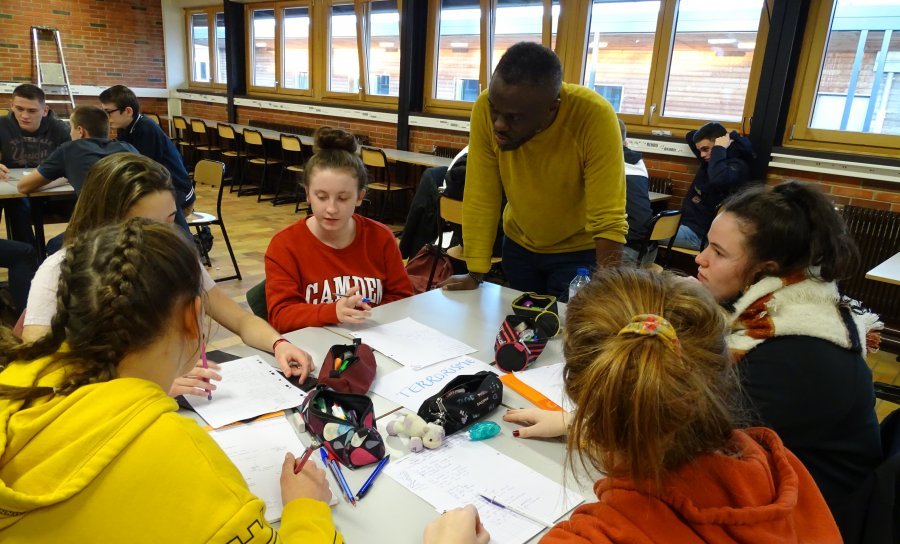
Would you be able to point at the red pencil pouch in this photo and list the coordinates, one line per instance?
(344, 423)
(518, 343)
(349, 368)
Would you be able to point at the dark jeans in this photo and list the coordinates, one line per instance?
(544, 273)
(21, 260)
(18, 217)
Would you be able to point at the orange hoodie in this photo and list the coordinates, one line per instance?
(763, 495)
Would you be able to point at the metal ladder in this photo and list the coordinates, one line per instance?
(52, 77)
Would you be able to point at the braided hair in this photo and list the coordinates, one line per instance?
(118, 288)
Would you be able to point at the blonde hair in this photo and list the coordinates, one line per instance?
(646, 404)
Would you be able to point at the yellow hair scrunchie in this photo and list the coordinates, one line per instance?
(652, 325)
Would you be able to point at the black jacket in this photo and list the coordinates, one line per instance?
(637, 198)
(152, 142)
(27, 150)
(727, 171)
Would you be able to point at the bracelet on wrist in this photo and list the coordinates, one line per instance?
(280, 340)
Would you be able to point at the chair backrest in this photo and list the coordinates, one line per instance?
(256, 299)
(198, 126)
(253, 137)
(226, 132)
(209, 172)
(179, 122)
(451, 210)
(291, 143)
(374, 157)
(664, 225)
(153, 117)
(4, 112)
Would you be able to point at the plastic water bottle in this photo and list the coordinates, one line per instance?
(582, 277)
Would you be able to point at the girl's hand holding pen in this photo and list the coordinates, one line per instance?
(351, 308)
(309, 483)
(199, 382)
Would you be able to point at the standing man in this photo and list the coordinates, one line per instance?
(724, 169)
(124, 111)
(28, 135)
(555, 150)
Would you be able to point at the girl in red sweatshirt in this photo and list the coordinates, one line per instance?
(334, 265)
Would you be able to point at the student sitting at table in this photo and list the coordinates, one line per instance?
(28, 135)
(92, 449)
(126, 185)
(335, 265)
(72, 160)
(657, 398)
(775, 255)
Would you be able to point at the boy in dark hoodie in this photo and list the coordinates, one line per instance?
(28, 135)
(724, 169)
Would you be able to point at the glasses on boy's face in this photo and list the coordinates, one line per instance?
(112, 111)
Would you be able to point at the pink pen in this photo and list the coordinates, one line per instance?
(205, 365)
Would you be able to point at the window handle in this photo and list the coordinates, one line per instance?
(652, 111)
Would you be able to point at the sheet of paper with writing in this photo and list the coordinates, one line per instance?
(548, 380)
(257, 450)
(411, 343)
(457, 473)
(409, 386)
(249, 387)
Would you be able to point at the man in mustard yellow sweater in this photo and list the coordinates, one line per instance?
(555, 149)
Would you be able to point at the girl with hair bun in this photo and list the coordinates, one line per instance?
(334, 265)
(657, 401)
(775, 255)
(92, 448)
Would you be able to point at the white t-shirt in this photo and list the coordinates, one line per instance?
(41, 306)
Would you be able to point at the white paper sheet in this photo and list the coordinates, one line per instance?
(548, 381)
(458, 472)
(257, 450)
(409, 387)
(413, 344)
(250, 387)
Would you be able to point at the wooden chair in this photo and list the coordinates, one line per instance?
(153, 117)
(4, 112)
(662, 227)
(229, 151)
(213, 172)
(670, 248)
(377, 163)
(181, 136)
(255, 154)
(293, 157)
(450, 213)
(201, 140)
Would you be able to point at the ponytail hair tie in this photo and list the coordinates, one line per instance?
(652, 325)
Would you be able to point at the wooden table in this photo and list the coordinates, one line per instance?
(658, 197)
(9, 190)
(888, 271)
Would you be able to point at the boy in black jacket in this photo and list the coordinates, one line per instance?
(724, 169)
(124, 111)
(28, 135)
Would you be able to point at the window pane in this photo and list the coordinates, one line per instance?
(619, 51)
(711, 59)
(344, 66)
(263, 37)
(459, 50)
(862, 60)
(384, 48)
(200, 47)
(296, 48)
(221, 68)
(516, 21)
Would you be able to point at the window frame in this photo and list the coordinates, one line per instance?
(211, 12)
(278, 9)
(797, 133)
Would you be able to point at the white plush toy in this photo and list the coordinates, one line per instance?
(422, 435)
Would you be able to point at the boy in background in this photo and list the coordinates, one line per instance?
(121, 104)
(27, 136)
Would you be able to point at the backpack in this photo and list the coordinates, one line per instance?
(429, 267)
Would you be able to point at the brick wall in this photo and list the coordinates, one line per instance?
(105, 43)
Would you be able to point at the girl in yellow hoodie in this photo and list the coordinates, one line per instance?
(91, 446)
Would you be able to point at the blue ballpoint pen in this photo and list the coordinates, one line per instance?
(365, 487)
(331, 463)
(516, 511)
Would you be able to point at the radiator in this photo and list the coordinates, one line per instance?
(877, 233)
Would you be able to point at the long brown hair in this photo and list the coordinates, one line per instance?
(118, 288)
(646, 405)
(112, 186)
